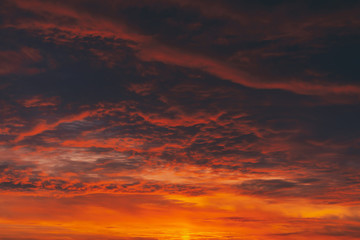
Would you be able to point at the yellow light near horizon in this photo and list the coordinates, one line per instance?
(185, 237)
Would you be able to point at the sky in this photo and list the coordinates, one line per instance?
(179, 120)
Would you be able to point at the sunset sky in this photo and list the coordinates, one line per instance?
(179, 120)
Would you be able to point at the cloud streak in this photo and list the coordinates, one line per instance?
(149, 49)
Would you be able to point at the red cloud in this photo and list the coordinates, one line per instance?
(39, 101)
(44, 126)
(19, 62)
(149, 49)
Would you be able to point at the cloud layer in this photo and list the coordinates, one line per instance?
(179, 120)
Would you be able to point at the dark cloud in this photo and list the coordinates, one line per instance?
(266, 186)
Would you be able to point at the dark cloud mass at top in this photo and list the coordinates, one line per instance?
(218, 111)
